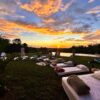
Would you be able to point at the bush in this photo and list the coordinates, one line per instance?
(3, 89)
(3, 64)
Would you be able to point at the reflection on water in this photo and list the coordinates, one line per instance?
(63, 54)
(88, 55)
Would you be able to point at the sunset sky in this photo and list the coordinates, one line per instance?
(51, 23)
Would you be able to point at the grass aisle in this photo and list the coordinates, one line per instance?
(28, 81)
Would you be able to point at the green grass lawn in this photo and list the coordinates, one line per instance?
(27, 81)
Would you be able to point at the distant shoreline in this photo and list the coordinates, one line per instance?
(65, 54)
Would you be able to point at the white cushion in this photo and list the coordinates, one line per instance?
(16, 58)
(69, 62)
(61, 65)
(97, 71)
(81, 66)
(41, 64)
(96, 75)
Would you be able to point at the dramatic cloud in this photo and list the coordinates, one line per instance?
(90, 1)
(10, 36)
(19, 27)
(8, 9)
(85, 28)
(92, 36)
(95, 10)
(51, 22)
(67, 5)
(43, 8)
(48, 20)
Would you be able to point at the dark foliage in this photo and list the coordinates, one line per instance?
(14, 47)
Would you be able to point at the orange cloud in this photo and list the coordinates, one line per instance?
(19, 27)
(50, 20)
(10, 36)
(93, 37)
(43, 9)
(97, 32)
(7, 26)
(13, 30)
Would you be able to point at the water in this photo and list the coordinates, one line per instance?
(63, 54)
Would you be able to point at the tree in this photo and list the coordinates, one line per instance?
(24, 45)
(16, 41)
(4, 43)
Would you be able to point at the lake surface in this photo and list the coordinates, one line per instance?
(63, 54)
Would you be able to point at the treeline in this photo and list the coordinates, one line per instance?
(15, 46)
(91, 49)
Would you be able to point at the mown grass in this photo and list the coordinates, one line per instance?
(85, 61)
(27, 81)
